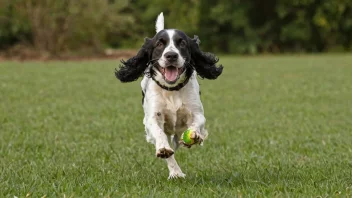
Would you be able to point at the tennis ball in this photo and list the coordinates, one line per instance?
(186, 137)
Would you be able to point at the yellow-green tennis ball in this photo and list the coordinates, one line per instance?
(186, 137)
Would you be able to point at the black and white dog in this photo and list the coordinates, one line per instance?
(170, 63)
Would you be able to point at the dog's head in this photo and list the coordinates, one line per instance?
(170, 58)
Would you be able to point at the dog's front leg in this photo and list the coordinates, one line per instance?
(155, 127)
(198, 126)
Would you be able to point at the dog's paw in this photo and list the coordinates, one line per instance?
(192, 137)
(176, 175)
(164, 152)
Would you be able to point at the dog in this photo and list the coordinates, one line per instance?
(170, 63)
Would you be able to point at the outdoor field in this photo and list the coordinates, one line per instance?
(279, 126)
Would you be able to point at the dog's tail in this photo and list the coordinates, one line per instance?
(159, 25)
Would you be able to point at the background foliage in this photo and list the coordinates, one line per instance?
(227, 26)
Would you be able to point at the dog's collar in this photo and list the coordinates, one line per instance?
(183, 80)
(175, 88)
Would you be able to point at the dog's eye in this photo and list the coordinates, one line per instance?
(159, 44)
(183, 43)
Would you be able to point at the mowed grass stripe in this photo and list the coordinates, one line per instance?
(278, 126)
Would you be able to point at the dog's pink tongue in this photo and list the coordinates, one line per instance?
(171, 73)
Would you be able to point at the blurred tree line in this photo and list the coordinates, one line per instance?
(226, 26)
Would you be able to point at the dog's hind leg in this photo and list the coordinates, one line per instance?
(175, 141)
(174, 170)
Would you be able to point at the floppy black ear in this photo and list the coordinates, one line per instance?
(134, 67)
(204, 62)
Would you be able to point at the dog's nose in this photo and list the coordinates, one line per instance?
(171, 56)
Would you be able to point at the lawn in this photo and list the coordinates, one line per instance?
(278, 126)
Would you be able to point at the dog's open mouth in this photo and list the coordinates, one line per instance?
(171, 73)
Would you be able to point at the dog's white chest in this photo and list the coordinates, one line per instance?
(177, 116)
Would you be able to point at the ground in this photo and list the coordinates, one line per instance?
(278, 126)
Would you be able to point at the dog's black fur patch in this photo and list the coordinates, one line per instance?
(134, 67)
(204, 62)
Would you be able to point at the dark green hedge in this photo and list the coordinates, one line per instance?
(228, 26)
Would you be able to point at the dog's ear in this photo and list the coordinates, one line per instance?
(204, 62)
(134, 67)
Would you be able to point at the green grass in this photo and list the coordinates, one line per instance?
(278, 126)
